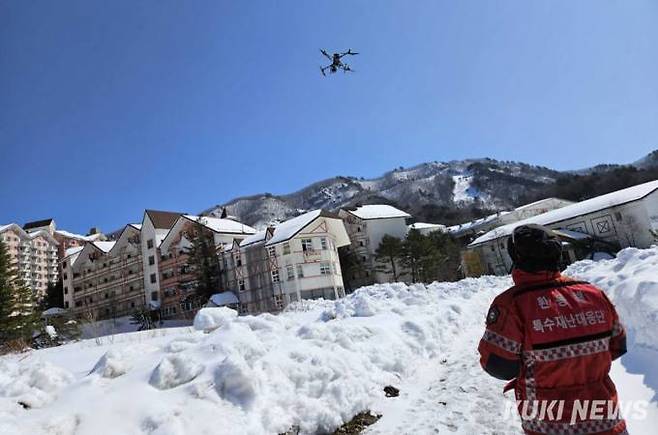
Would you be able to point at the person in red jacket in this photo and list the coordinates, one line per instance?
(555, 339)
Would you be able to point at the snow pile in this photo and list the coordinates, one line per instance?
(175, 370)
(33, 385)
(314, 366)
(631, 282)
(209, 319)
(112, 364)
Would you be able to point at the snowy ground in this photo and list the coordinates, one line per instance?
(314, 367)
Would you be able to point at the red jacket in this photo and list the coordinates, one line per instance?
(555, 338)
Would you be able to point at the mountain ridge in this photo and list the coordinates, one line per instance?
(463, 188)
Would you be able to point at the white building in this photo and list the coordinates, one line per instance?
(469, 230)
(33, 253)
(154, 228)
(366, 226)
(624, 218)
(297, 259)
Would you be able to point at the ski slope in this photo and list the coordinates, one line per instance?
(315, 366)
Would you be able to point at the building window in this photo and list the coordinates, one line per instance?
(358, 229)
(286, 248)
(66, 290)
(154, 296)
(132, 304)
(66, 304)
(271, 251)
(149, 243)
(153, 278)
(64, 265)
(151, 260)
(241, 285)
(361, 243)
(243, 309)
(325, 269)
(618, 216)
(278, 301)
(291, 272)
(275, 275)
(66, 276)
(307, 245)
(300, 271)
(323, 243)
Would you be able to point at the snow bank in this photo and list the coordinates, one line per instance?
(175, 370)
(209, 319)
(314, 366)
(631, 282)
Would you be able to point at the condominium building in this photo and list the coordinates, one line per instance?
(177, 282)
(105, 279)
(154, 228)
(367, 225)
(33, 253)
(297, 259)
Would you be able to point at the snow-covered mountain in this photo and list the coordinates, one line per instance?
(486, 183)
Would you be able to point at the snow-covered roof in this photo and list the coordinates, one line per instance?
(54, 311)
(543, 201)
(70, 235)
(254, 238)
(222, 299)
(74, 250)
(582, 208)
(426, 226)
(160, 234)
(220, 225)
(104, 246)
(472, 225)
(286, 230)
(289, 228)
(378, 211)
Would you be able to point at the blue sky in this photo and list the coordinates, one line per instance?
(107, 108)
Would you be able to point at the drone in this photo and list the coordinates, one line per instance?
(336, 62)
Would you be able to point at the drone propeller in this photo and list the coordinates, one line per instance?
(322, 71)
(325, 53)
(350, 52)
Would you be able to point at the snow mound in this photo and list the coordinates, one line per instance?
(209, 319)
(113, 364)
(235, 382)
(35, 384)
(175, 370)
(314, 366)
(631, 282)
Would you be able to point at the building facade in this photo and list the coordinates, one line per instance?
(154, 228)
(625, 218)
(297, 259)
(177, 280)
(104, 279)
(34, 254)
(366, 226)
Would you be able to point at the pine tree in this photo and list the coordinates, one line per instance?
(54, 297)
(350, 265)
(388, 254)
(203, 262)
(18, 316)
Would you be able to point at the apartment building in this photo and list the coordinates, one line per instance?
(154, 228)
(105, 279)
(177, 283)
(367, 225)
(34, 254)
(294, 260)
